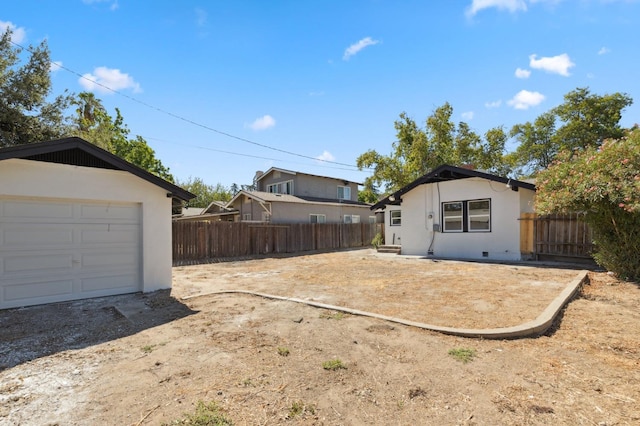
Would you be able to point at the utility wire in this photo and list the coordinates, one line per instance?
(186, 120)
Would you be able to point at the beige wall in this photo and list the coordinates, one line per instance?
(23, 178)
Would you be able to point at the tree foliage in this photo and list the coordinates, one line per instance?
(94, 124)
(418, 150)
(205, 194)
(582, 120)
(26, 116)
(603, 182)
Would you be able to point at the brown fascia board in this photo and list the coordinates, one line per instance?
(436, 175)
(58, 145)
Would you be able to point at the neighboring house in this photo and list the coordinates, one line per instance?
(216, 211)
(77, 222)
(285, 196)
(454, 212)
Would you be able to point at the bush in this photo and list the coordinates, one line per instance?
(604, 183)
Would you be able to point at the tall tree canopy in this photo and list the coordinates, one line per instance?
(582, 120)
(205, 193)
(26, 116)
(416, 151)
(94, 124)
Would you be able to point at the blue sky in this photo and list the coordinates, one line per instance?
(324, 79)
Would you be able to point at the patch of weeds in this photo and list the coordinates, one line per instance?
(283, 351)
(332, 315)
(299, 408)
(463, 354)
(333, 365)
(204, 415)
(148, 349)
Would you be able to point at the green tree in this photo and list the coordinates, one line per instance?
(205, 194)
(416, 151)
(603, 182)
(582, 120)
(26, 116)
(94, 124)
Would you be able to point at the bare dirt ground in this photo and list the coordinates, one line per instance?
(149, 358)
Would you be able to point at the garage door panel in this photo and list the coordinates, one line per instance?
(111, 212)
(30, 264)
(25, 235)
(113, 284)
(23, 292)
(110, 234)
(36, 209)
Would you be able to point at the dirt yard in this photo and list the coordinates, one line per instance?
(148, 359)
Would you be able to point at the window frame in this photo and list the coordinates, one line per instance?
(395, 221)
(466, 217)
(345, 190)
(318, 216)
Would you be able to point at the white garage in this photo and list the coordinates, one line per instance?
(78, 222)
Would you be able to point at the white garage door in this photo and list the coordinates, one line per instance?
(55, 250)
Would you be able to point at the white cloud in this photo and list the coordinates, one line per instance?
(112, 78)
(263, 123)
(357, 47)
(326, 156)
(201, 17)
(525, 99)
(18, 34)
(603, 51)
(520, 73)
(559, 64)
(510, 5)
(468, 115)
(55, 66)
(493, 104)
(113, 6)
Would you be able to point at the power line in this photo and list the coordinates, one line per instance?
(187, 120)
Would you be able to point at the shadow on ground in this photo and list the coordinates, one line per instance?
(37, 331)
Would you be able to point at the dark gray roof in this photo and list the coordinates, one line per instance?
(445, 173)
(78, 152)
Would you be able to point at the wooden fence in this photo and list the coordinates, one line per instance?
(555, 237)
(195, 242)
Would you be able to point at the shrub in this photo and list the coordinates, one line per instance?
(604, 183)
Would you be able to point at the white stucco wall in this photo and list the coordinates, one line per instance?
(502, 243)
(23, 178)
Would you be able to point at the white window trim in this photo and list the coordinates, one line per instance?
(320, 218)
(395, 221)
(346, 192)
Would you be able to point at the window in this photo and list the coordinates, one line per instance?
(452, 217)
(372, 219)
(344, 193)
(281, 188)
(351, 218)
(467, 216)
(395, 217)
(317, 218)
(479, 215)
(246, 216)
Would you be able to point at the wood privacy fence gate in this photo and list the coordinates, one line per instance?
(205, 241)
(556, 237)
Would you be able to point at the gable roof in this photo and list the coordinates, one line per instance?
(291, 172)
(445, 173)
(269, 197)
(78, 152)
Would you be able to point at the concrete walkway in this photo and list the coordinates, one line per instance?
(528, 329)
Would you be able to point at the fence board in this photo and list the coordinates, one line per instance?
(201, 241)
